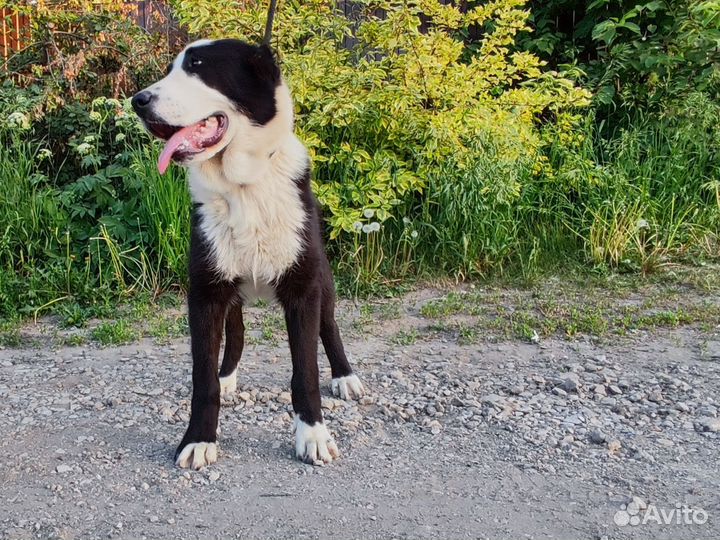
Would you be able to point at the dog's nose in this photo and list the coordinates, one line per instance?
(142, 100)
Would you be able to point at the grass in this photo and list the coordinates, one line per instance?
(118, 332)
(78, 240)
(567, 310)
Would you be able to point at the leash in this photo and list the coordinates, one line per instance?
(269, 23)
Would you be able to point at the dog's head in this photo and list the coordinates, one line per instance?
(216, 93)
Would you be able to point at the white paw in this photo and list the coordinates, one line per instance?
(348, 387)
(314, 443)
(197, 455)
(228, 385)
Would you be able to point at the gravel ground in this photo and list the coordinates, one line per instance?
(504, 439)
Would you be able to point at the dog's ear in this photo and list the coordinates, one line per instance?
(264, 65)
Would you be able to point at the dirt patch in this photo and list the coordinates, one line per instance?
(460, 437)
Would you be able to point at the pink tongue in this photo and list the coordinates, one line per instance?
(173, 143)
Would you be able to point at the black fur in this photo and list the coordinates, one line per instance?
(250, 77)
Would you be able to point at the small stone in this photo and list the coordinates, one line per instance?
(597, 437)
(614, 389)
(457, 402)
(145, 486)
(435, 427)
(614, 446)
(245, 396)
(708, 424)
(559, 391)
(62, 468)
(284, 397)
(599, 390)
(655, 397)
(570, 382)
(214, 476)
(154, 519)
(493, 399)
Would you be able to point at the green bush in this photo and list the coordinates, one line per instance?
(403, 117)
(638, 56)
(446, 151)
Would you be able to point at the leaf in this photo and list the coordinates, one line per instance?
(605, 31)
(631, 26)
(606, 94)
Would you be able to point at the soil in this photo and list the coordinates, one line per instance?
(501, 438)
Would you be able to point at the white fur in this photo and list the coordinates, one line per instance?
(197, 455)
(348, 387)
(314, 443)
(228, 385)
(254, 229)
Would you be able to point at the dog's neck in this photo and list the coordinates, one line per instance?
(266, 152)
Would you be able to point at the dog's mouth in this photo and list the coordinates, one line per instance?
(185, 142)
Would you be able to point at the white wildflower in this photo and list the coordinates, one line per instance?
(368, 213)
(83, 148)
(366, 229)
(120, 137)
(374, 226)
(642, 224)
(414, 234)
(44, 153)
(357, 226)
(18, 120)
(95, 116)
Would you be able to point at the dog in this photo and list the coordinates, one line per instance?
(226, 114)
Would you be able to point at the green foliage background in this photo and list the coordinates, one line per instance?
(513, 137)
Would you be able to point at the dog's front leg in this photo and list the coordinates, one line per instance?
(207, 305)
(312, 439)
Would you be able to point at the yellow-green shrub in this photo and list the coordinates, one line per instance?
(383, 116)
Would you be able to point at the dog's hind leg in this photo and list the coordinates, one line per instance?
(234, 341)
(344, 382)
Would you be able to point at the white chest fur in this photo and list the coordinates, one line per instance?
(253, 221)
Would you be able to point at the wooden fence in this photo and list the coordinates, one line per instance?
(153, 15)
(15, 31)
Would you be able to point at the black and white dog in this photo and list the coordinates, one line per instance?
(227, 115)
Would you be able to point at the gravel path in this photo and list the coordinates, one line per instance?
(509, 439)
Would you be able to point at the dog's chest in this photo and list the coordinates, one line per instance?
(254, 231)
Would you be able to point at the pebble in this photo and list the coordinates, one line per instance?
(570, 382)
(552, 409)
(709, 424)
